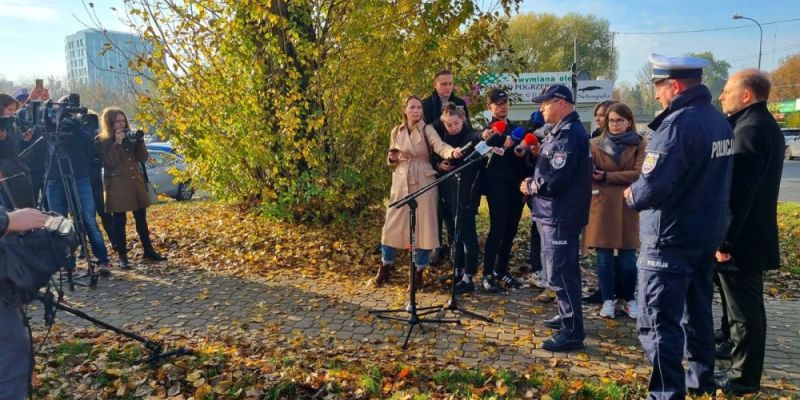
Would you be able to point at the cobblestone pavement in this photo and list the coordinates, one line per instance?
(201, 303)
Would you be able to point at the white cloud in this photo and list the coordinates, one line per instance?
(25, 10)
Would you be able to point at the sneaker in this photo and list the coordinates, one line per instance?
(508, 280)
(464, 287)
(547, 296)
(607, 311)
(538, 280)
(103, 270)
(632, 308)
(489, 284)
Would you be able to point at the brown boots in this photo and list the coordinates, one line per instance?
(419, 278)
(383, 274)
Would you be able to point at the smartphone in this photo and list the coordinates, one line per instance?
(40, 83)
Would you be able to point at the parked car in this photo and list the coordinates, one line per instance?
(160, 162)
(792, 138)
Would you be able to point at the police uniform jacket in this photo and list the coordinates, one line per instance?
(122, 177)
(409, 175)
(683, 190)
(562, 181)
(467, 195)
(752, 235)
(432, 107)
(612, 224)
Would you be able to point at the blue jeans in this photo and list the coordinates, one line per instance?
(57, 200)
(616, 274)
(389, 256)
(15, 354)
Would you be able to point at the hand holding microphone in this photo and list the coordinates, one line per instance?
(529, 143)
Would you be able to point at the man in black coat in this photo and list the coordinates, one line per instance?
(751, 241)
(442, 93)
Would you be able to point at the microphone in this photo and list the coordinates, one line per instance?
(518, 134)
(485, 147)
(499, 127)
(530, 140)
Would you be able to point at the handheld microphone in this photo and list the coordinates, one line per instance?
(485, 147)
(518, 134)
(530, 140)
(499, 127)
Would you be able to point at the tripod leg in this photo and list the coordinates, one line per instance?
(408, 335)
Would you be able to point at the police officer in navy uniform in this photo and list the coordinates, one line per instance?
(682, 194)
(561, 187)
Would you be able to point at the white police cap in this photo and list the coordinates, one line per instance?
(681, 67)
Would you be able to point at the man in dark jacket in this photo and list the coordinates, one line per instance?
(682, 194)
(562, 189)
(442, 93)
(751, 242)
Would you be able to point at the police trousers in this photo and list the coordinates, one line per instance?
(675, 292)
(560, 249)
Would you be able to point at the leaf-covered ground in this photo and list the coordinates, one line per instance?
(269, 362)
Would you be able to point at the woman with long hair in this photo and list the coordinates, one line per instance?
(124, 181)
(613, 228)
(410, 146)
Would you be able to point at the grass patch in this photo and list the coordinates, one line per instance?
(460, 382)
(370, 380)
(789, 236)
(73, 348)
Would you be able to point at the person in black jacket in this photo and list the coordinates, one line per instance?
(431, 112)
(458, 196)
(751, 241)
(499, 182)
(16, 191)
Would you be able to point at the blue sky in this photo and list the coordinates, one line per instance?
(34, 30)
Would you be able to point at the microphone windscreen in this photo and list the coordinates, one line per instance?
(531, 139)
(496, 140)
(499, 127)
(518, 134)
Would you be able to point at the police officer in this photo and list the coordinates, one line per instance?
(682, 194)
(561, 187)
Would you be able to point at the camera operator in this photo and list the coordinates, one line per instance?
(122, 152)
(78, 146)
(15, 346)
(17, 191)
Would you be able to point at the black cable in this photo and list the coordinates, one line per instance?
(705, 30)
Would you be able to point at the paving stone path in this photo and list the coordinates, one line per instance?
(201, 303)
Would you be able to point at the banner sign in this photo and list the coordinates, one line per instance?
(528, 85)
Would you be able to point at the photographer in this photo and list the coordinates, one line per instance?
(17, 191)
(15, 346)
(75, 143)
(122, 152)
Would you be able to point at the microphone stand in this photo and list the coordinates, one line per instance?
(414, 318)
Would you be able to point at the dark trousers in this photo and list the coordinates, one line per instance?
(120, 220)
(744, 295)
(465, 246)
(560, 252)
(675, 292)
(724, 326)
(535, 246)
(15, 354)
(100, 206)
(505, 210)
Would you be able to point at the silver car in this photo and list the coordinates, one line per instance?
(161, 160)
(792, 138)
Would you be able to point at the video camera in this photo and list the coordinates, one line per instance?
(53, 119)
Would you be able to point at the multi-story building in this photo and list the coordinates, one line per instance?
(101, 58)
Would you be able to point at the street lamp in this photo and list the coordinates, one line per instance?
(760, 38)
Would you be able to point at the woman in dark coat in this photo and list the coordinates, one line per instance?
(124, 182)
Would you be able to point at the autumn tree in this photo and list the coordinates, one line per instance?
(714, 75)
(544, 42)
(288, 105)
(786, 80)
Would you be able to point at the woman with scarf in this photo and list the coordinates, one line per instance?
(613, 228)
(410, 147)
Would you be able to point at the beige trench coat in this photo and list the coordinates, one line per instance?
(612, 224)
(410, 174)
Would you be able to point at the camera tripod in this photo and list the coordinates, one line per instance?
(75, 209)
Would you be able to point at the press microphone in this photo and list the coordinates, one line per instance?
(485, 147)
(530, 140)
(518, 134)
(499, 127)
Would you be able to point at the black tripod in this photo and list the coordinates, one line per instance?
(452, 304)
(155, 349)
(75, 208)
(414, 316)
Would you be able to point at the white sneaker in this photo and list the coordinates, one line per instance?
(607, 311)
(632, 309)
(538, 280)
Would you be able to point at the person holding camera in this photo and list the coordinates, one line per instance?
(15, 346)
(17, 190)
(122, 151)
(72, 149)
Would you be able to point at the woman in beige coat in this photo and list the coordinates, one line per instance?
(410, 146)
(618, 154)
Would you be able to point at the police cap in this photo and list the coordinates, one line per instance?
(681, 67)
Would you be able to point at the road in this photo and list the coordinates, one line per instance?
(790, 181)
